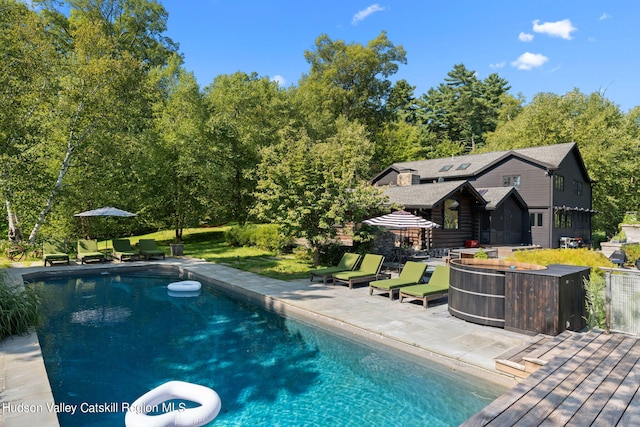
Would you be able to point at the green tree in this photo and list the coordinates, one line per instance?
(309, 186)
(180, 189)
(95, 99)
(464, 108)
(351, 80)
(28, 66)
(245, 112)
(607, 139)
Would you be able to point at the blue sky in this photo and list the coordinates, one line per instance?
(536, 45)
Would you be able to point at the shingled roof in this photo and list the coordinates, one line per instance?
(461, 167)
(426, 196)
(496, 195)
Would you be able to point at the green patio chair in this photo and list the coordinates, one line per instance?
(369, 270)
(88, 251)
(122, 250)
(347, 263)
(54, 251)
(437, 287)
(148, 249)
(411, 274)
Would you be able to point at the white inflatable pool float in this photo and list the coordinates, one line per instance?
(185, 286)
(210, 404)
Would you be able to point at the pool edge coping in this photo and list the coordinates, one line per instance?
(277, 306)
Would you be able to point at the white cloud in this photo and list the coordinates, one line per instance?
(605, 16)
(528, 61)
(497, 65)
(363, 14)
(279, 79)
(525, 37)
(562, 29)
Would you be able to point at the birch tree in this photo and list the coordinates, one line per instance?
(103, 51)
(28, 65)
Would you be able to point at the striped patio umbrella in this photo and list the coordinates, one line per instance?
(401, 220)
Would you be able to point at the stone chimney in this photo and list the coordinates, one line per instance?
(407, 177)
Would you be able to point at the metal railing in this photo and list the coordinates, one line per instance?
(622, 299)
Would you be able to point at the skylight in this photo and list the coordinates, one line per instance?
(445, 168)
(463, 166)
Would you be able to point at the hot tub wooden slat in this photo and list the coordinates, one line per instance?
(476, 293)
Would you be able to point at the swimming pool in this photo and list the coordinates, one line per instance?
(108, 339)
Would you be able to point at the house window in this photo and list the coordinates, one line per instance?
(532, 219)
(577, 187)
(562, 220)
(451, 214)
(558, 182)
(508, 181)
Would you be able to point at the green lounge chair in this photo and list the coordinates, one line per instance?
(347, 263)
(122, 250)
(148, 249)
(369, 270)
(88, 251)
(54, 252)
(437, 287)
(411, 274)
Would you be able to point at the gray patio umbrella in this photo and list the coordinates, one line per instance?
(106, 212)
(401, 220)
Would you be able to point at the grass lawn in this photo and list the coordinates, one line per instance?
(209, 244)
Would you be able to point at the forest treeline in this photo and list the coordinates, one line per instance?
(97, 109)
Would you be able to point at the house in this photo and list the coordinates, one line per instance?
(524, 196)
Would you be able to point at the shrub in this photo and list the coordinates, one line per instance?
(265, 236)
(633, 253)
(19, 309)
(620, 237)
(582, 257)
(270, 237)
(331, 253)
(364, 238)
(302, 253)
(239, 236)
(631, 218)
(595, 302)
(481, 254)
(598, 237)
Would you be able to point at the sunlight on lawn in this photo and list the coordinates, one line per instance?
(209, 244)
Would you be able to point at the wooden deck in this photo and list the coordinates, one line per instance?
(590, 379)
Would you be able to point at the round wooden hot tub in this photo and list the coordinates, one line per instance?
(477, 288)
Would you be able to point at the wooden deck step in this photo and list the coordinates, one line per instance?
(594, 382)
(524, 360)
(512, 360)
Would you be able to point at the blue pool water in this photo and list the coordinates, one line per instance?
(108, 339)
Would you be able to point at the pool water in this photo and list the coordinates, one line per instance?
(108, 339)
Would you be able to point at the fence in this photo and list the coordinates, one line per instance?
(623, 300)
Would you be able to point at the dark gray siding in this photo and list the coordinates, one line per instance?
(570, 198)
(509, 224)
(540, 233)
(534, 182)
(388, 177)
(570, 170)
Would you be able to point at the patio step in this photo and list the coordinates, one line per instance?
(522, 361)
